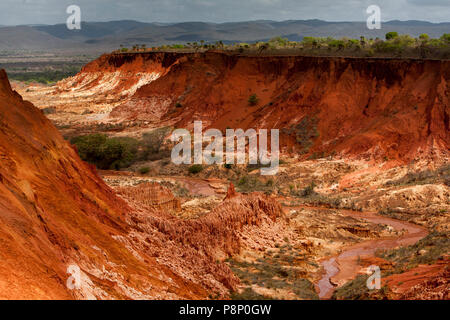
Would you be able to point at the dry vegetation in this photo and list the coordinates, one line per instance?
(395, 45)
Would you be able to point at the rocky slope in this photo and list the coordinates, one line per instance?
(54, 208)
(55, 212)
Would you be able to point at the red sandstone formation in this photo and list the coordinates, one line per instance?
(231, 192)
(363, 108)
(194, 247)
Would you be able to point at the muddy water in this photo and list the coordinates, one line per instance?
(344, 267)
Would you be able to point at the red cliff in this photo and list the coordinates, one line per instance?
(353, 107)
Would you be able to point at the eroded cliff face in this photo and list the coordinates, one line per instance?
(55, 212)
(54, 208)
(100, 86)
(118, 75)
(359, 108)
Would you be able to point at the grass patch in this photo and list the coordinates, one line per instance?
(275, 272)
(308, 195)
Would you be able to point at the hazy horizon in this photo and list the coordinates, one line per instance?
(212, 22)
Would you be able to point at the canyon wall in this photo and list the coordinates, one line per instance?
(372, 109)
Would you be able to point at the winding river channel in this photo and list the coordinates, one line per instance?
(344, 267)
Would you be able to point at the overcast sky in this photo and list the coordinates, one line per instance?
(14, 12)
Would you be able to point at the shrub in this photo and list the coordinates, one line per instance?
(144, 170)
(304, 289)
(274, 273)
(309, 190)
(49, 110)
(353, 290)
(278, 42)
(423, 177)
(106, 153)
(195, 168)
(253, 100)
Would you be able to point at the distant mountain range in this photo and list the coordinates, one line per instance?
(99, 36)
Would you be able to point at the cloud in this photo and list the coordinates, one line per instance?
(13, 12)
(444, 3)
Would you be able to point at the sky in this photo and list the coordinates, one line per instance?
(17, 12)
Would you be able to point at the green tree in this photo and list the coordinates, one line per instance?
(445, 38)
(424, 37)
(391, 35)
